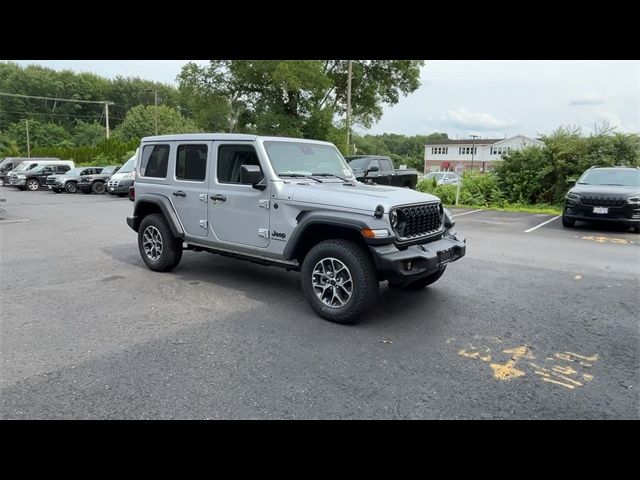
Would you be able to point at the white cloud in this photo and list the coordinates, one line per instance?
(588, 99)
(462, 118)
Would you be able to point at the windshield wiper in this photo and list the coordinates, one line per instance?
(298, 175)
(331, 175)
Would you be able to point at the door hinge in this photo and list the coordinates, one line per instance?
(264, 204)
(263, 232)
(204, 224)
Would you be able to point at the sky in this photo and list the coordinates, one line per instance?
(490, 98)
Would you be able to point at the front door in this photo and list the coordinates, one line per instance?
(238, 214)
(190, 178)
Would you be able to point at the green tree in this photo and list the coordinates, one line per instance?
(85, 133)
(296, 98)
(140, 122)
(40, 135)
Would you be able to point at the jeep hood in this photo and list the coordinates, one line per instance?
(356, 195)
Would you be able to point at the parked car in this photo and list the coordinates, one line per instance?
(12, 163)
(443, 178)
(291, 203)
(381, 171)
(68, 182)
(120, 182)
(605, 195)
(34, 178)
(95, 182)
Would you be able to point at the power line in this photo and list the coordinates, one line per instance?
(56, 99)
(58, 114)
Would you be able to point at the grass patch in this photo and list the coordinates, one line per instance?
(517, 207)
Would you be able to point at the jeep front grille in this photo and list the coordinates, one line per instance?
(416, 221)
(603, 200)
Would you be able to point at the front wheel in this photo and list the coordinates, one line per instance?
(71, 187)
(339, 280)
(159, 249)
(32, 184)
(98, 187)
(568, 222)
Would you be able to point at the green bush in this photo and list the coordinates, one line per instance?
(107, 152)
(476, 189)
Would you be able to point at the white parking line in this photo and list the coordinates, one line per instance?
(465, 213)
(543, 223)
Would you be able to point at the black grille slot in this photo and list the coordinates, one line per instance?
(418, 220)
(603, 201)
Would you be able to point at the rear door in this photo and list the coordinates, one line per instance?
(239, 214)
(387, 173)
(190, 178)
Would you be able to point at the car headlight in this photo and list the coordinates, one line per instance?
(393, 218)
(573, 197)
(449, 221)
(633, 200)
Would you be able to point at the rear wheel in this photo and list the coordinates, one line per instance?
(32, 184)
(568, 222)
(71, 187)
(339, 280)
(97, 187)
(159, 249)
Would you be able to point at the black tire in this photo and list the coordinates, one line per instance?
(171, 247)
(568, 222)
(423, 282)
(364, 281)
(32, 185)
(71, 187)
(98, 187)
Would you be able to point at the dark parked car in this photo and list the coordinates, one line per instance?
(381, 171)
(69, 181)
(36, 177)
(95, 183)
(605, 195)
(11, 163)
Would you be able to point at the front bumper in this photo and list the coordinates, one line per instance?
(625, 215)
(16, 182)
(401, 267)
(119, 186)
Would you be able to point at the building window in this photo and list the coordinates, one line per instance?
(467, 150)
(439, 150)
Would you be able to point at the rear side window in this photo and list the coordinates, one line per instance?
(191, 162)
(155, 159)
(385, 165)
(374, 163)
(231, 158)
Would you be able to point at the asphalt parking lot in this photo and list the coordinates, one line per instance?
(536, 322)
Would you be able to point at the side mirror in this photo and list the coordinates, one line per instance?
(571, 181)
(371, 169)
(252, 175)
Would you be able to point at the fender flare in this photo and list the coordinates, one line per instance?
(166, 208)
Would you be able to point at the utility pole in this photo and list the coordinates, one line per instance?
(28, 143)
(473, 149)
(106, 116)
(349, 108)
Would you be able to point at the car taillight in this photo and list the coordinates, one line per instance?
(132, 193)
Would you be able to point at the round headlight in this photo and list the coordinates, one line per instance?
(393, 218)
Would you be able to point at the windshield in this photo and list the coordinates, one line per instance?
(108, 170)
(25, 166)
(436, 175)
(74, 171)
(130, 166)
(611, 176)
(359, 163)
(301, 158)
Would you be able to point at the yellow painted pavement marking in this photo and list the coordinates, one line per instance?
(574, 357)
(601, 239)
(508, 371)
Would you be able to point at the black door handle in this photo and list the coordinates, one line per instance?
(179, 193)
(217, 196)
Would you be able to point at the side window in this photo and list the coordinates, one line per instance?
(64, 168)
(374, 163)
(191, 162)
(155, 159)
(385, 165)
(231, 158)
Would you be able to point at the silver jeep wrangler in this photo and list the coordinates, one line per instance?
(292, 203)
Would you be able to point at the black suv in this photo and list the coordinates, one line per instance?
(95, 183)
(36, 177)
(605, 194)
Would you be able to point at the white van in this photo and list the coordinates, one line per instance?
(120, 181)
